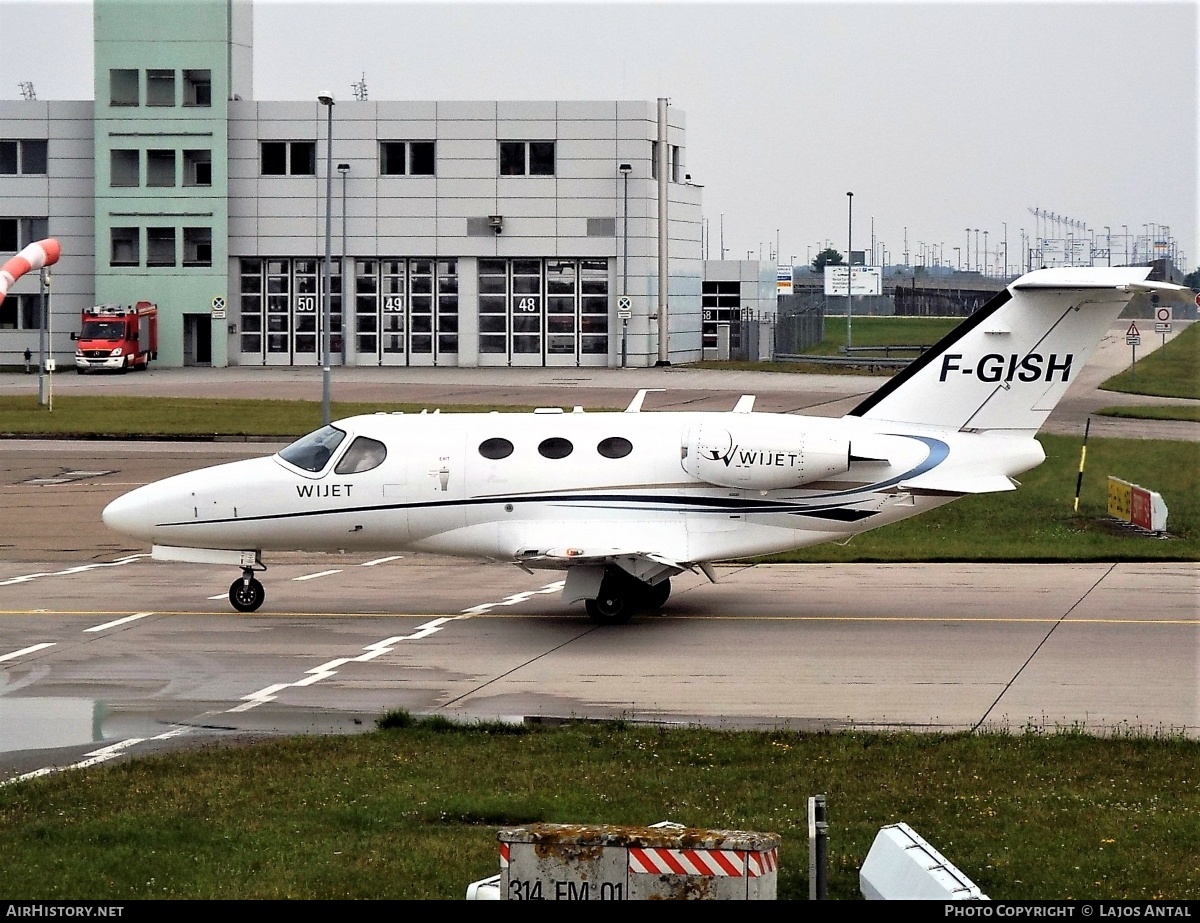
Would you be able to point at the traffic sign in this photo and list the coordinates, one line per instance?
(1133, 330)
(624, 303)
(218, 308)
(1162, 328)
(1133, 341)
(1162, 315)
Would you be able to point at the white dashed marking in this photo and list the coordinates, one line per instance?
(116, 622)
(394, 557)
(72, 570)
(26, 650)
(515, 598)
(320, 573)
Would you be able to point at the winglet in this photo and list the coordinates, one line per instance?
(635, 406)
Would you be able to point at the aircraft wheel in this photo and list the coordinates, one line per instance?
(246, 596)
(657, 595)
(609, 608)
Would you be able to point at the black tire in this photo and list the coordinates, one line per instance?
(79, 370)
(609, 609)
(656, 596)
(246, 596)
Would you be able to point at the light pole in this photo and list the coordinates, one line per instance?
(958, 258)
(1108, 243)
(985, 254)
(849, 262)
(625, 169)
(326, 100)
(968, 249)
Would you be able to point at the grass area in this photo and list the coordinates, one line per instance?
(414, 812)
(866, 331)
(884, 331)
(1036, 521)
(1154, 412)
(1172, 370)
(179, 416)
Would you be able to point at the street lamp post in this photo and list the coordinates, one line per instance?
(849, 263)
(326, 100)
(968, 249)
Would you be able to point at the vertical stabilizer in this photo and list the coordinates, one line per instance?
(1009, 363)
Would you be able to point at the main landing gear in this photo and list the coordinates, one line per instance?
(246, 594)
(622, 594)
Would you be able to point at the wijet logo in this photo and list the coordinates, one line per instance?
(1013, 367)
(323, 490)
(746, 458)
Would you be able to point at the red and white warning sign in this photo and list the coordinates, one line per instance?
(1133, 330)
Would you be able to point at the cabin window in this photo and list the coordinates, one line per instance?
(496, 448)
(312, 452)
(556, 447)
(363, 455)
(614, 447)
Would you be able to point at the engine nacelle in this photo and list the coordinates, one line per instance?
(759, 457)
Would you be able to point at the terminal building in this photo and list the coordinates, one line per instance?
(486, 233)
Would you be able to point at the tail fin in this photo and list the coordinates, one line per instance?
(1010, 362)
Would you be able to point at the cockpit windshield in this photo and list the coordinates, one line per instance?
(312, 452)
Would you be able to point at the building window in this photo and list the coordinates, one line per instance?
(421, 158)
(522, 158)
(125, 250)
(197, 88)
(21, 312)
(197, 168)
(123, 87)
(160, 88)
(27, 156)
(676, 165)
(160, 168)
(126, 166)
(397, 158)
(294, 158)
(197, 246)
(160, 246)
(17, 233)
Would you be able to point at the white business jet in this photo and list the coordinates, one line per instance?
(624, 501)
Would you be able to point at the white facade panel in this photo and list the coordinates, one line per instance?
(407, 187)
(418, 226)
(513, 130)
(546, 110)
(467, 129)
(586, 110)
(474, 110)
(401, 110)
(405, 207)
(403, 130)
(81, 187)
(462, 188)
(522, 187)
(569, 189)
(466, 149)
(595, 130)
(463, 168)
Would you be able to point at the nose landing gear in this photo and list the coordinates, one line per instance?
(246, 593)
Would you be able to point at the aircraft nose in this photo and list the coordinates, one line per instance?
(131, 514)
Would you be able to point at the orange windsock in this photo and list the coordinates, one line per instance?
(35, 256)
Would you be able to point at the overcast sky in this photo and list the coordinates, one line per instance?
(938, 116)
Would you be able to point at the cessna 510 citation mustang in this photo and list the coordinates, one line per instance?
(624, 501)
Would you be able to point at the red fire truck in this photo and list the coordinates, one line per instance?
(117, 337)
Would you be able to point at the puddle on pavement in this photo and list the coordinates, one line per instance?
(45, 723)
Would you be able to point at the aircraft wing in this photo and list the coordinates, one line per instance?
(585, 567)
